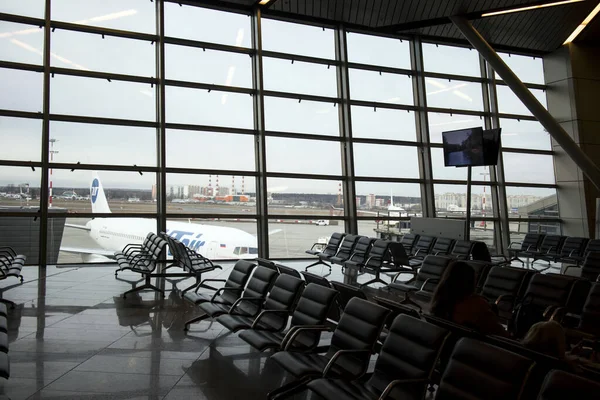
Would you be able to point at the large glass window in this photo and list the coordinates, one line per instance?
(385, 160)
(283, 37)
(129, 15)
(299, 77)
(25, 88)
(383, 123)
(29, 8)
(21, 139)
(457, 95)
(440, 122)
(451, 201)
(451, 60)
(440, 171)
(509, 103)
(290, 238)
(523, 134)
(301, 116)
(380, 87)
(305, 197)
(377, 50)
(19, 188)
(303, 156)
(528, 168)
(85, 51)
(528, 69)
(21, 43)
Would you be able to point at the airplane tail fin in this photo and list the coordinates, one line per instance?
(97, 196)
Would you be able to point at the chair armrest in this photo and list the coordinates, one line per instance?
(267, 312)
(505, 297)
(429, 280)
(340, 353)
(511, 244)
(223, 289)
(295, 331)
(212, 280)
(397, 382)
(569, 267)
(131, 246)
(317, 244)
(250, 299)
(559, 314)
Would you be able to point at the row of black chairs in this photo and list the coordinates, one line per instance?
(553, 248)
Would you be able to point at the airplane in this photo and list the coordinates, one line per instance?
(112, 235)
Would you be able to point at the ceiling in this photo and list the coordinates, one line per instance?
(536, 31)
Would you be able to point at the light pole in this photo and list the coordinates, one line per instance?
(485, 174)
(52, 153)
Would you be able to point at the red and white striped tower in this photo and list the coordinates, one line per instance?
(242, 185)
(233, 185)
(209, 192)
(339, 199)
(483, 223)
(217, 186)
(52, 152)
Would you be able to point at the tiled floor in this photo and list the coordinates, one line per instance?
(73, 336)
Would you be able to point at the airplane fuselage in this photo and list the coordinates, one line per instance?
(214, 242)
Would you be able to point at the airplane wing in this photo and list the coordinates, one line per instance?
(82, 227)
(83, 250)
(274, 231)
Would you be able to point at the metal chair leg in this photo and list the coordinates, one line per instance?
(186, 327)
(146, 285)
(288, 389)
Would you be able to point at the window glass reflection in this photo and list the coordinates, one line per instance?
(524, 134)
(21, 43)
(29, 8)
(21, 139)
(206, 25)
(457, 95)
(509, 103)
(440, 171)
(305, 197)
(451, 201)
(528, 69)
(129, 15)
(451, 60)
(19, 188)
(531, 202)
(25, 88)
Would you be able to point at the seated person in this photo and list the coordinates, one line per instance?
(547, 337)
(456, 301)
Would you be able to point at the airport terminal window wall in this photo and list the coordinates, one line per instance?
(341, 118)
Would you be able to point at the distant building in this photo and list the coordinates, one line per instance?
(358, 201)
(370, 200)
(379, 202)
(154, 191)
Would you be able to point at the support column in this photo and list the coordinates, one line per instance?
(344, 112)
(260, 141)
(161, 177)
(573, 80)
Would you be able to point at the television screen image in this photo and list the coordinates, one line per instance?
(463, 148)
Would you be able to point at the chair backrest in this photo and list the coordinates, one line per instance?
(477, 370)
(334, 243)
(552, 243)
(316, 279)
(379, 253)
(361, 250)
(549, 290)
(590, 315)
(592, 245)
(312, 309)
(481, 269)
(573, 246)
(397, 254)
(433, 267)
(462, 249)
(590, 269)
(410, 351)
(283, 269)
(347, 246)
(347, 292)
(423, 245)
(156, 245)
(283, 295)
(408, 241)
(560, 385)
(237, 279)
(358, 329)
(532, 241)
(504, 281)
(442, 246)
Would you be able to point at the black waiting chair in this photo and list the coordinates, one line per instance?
(312, 309)
(560, 385)
(422, 247)
(346, 293)
(345, 251)
(462, 249)
(276, 309)
(126, 258)
(425, 282)
(589, 269)
(408, 241)
(143, 261)
(386, 257)
(590, 316)
(549, 249)
(316, 279)
(527, 248)
(442, 246)
(11, 263)
(235, 285)
(283, 269)
(360, 253)
(593, 245)
(572, 249)
(403, 368)
(478, 370)
(503, 287)
(330, 250)
(352, 343)
(249, 302)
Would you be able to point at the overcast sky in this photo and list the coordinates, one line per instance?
(128, 146)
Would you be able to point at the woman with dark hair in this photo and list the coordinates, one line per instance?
(456, 301)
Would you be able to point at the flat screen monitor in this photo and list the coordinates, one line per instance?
(463, 147)
(491, 146)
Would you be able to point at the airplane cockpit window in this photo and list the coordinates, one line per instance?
(253, 250)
